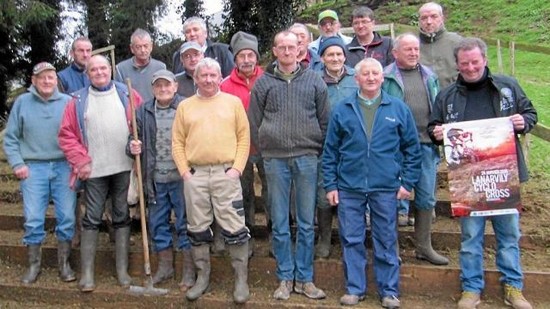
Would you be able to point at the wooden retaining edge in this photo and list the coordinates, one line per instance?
(328, 273)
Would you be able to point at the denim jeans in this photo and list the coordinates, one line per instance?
(293, 262)
(48, 180)
(424, 190)
(351, 220)
(169, 196)
(507, 234)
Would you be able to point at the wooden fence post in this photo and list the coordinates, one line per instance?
(499, 58)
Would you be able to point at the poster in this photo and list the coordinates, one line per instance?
(482, 167)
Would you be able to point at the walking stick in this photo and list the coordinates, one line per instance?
(148, 289)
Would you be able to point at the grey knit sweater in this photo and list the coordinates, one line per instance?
(288, 118)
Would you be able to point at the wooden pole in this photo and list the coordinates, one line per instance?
(499, 57)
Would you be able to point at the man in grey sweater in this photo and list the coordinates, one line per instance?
(288, 116)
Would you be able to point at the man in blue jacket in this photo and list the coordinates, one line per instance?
(360, 167)
(74, 77)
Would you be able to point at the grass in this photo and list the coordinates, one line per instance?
(522, 21)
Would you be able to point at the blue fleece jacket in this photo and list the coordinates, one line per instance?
(32, 129)
(351, 162)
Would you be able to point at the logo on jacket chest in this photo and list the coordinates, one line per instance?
(506, 99)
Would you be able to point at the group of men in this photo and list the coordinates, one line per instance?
(340, 121)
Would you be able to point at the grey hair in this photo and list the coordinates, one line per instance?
(399, 38)
(80, 39)
(195, 20)
(367, 61)
(362, 12)
(431, 5)
(142, 34)
(207, 63)
(467, 44)
(300, 25)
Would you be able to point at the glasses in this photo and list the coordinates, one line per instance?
(290, 48)
(362, 22)
(324, 23)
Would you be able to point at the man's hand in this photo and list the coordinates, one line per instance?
(22, 172)
(332, 198)
(403, 194)
(135, 147)
(187, 175)
(85, 171)
(438, 133)
(233, 173)
(518, 122)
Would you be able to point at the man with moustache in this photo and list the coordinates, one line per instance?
(239, 83)
(93, 135)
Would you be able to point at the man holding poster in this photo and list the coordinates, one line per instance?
(476, 95)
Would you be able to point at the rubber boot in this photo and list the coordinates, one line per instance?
(324, 221)
(34, 253)
(122, 245)
(201, 258)
(88, 244)
(218, 246)
(63, 252)
(165, 269)
(239, 261)
(189, 275)
(423, 238)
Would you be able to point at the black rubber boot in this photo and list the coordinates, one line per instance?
(66, 274)
(423, 238)
(88, 244)
(122, 246)
(189, 275)
(165, 269)
(34, 253)
(324, 222)
(201, 258)
(239, 261)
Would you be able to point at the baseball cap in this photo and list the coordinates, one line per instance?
(41, 67)
(164, 74)
(327, 13)
(190, 45)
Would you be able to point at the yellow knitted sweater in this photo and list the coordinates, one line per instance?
(211, 130)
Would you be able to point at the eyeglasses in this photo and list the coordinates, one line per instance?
(328, 23)
(290, 48)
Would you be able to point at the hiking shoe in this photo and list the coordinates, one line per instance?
(351, 300)
(391, 302)
(309, 290)
(403, 220)
(284, 290)
(514, 298)
(469, 300)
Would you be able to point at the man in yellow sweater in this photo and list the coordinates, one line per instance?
(210, 145)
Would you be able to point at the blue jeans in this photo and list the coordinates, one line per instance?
(48, 179)
(281, 173)
(507, 234)
(424, 190)
(351, 219)
(169, 196)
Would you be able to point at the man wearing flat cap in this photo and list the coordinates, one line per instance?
(162, 183)
(34, 155)
(240, 83)
(328, 25)
(190, 55)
